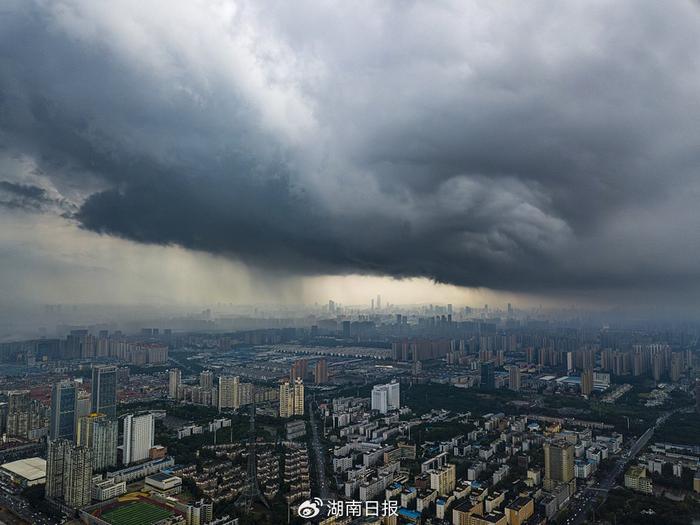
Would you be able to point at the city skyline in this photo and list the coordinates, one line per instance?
(349, 263)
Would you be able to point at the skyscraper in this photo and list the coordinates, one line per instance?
(138, 437)
(174, 380)
(558, 463)
(77, 476)
(228, 392)
(68, 473)
(83, 404)
(104, 390)
(64, 397)
(99, 433)
(55, 467)
(488, 378)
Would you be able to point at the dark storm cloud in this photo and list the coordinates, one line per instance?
(31, 198)
(530, 146)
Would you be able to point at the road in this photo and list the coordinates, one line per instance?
(319, 456)
(594, 496)
(19, 507)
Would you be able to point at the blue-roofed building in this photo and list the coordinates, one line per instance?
(410, 515)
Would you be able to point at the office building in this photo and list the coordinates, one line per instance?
(138, 437)
(64, 397)
(386, 397)
(488, 377)
(104, 390)
(558, 463)
(99, 433)
(174, 381)
(292, 398)
(83, 405)
(229, 392)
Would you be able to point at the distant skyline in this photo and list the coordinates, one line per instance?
(465, 152)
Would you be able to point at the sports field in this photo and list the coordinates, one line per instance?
(136, 513)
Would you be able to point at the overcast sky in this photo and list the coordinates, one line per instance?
(204, 150)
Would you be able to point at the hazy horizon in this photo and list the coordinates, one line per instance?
(252, 152)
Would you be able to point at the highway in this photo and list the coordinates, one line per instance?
(594, 496)
(319, 456)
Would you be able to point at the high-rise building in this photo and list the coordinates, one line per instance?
(99, 433)
(676, 366)
(657, 366)
(298, 370)
(83, 404)
(514, 378)
(174, 380)
(55, 467)
(206, 379)
(488, 377)
(587, 382)
(24, 417)
(68, 473)
(321, 372)
(386, 397)
(18, 416)
(379, 302)
(77, 476)
(229, 392)
(292, 398)
(138, 437)
(443, 479)
(570, 361)
(558, 463)
(64, 396)
(104, 390)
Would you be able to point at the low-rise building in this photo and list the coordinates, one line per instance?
(163, 483)
(636, 479)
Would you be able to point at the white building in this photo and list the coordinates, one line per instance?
(386, 397)
(138, 437)
(104, 489)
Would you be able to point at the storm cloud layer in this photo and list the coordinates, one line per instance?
(533, 146)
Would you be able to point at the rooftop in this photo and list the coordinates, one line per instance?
(31, 469)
